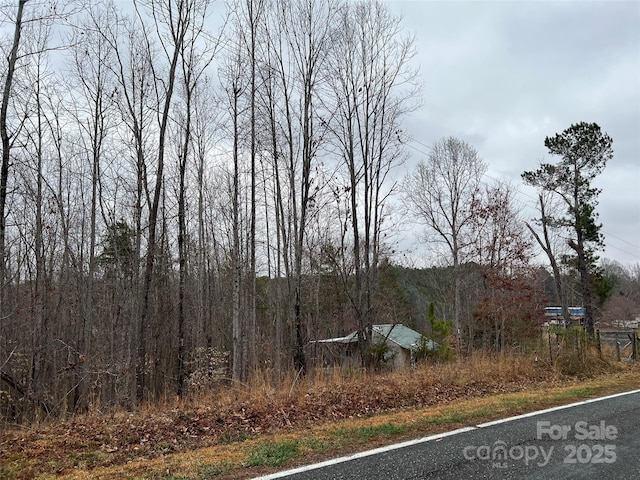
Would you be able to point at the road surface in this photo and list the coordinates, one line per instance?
(598, 438)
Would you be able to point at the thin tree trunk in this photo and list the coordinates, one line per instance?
(239, 365)
(5, 137)
(545, 244)
(251, 327)
(153, 219)
(182, 249)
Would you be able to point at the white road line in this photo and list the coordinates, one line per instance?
(367, 453)
(431, 438)
(554, 409)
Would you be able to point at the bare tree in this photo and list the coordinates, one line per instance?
(233, 77)
(509, 305)
(136, 99)
(35, 133)
(176, 19)
(205, 126)
(440, 193)
(146, 88)
(498, 241)
(6, 136)
(91, 56)
(300, 44)
(28, 103)
(373, 88)
(545, 239)
(247, 20)
(194, 62)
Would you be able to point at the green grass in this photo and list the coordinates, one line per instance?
(452, 417)
(273, 454)
(446, 418)
(483, 412)
(369, 432)
(314, 445)
(211, 471)
(585, 392)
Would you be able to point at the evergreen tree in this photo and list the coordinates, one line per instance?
(584, 151)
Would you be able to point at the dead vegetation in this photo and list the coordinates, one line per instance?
(237, 413)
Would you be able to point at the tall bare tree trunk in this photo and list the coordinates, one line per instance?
(238, 325)
(368, 65)
(545, 244)
(182, 248)
(41, 361)
(5, 137)
(178, 32)
(254, 11)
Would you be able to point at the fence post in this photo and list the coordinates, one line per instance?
(598, 344)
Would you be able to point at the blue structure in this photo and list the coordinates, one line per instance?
(577, 312)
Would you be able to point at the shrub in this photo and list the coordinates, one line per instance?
(435, 345)
(379, 355)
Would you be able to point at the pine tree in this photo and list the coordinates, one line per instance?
(584, 151)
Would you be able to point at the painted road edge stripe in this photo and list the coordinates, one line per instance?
(554, 409)
(430, 438)
(366, 453)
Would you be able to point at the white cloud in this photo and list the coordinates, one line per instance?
(504, 75)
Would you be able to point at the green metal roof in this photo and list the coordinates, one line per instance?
(399, 334)
(351, 338)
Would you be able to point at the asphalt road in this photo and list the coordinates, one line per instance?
(598, 439)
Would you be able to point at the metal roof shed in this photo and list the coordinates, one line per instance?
(402, 340)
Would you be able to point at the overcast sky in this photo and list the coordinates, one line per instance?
(503, 75)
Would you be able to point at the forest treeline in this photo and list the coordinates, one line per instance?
(191, 189)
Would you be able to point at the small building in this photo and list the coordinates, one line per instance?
(554, 315)
(343, 351)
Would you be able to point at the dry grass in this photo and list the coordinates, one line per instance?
(327, 389)
(325, 413)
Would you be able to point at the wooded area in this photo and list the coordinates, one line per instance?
(182, 202)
